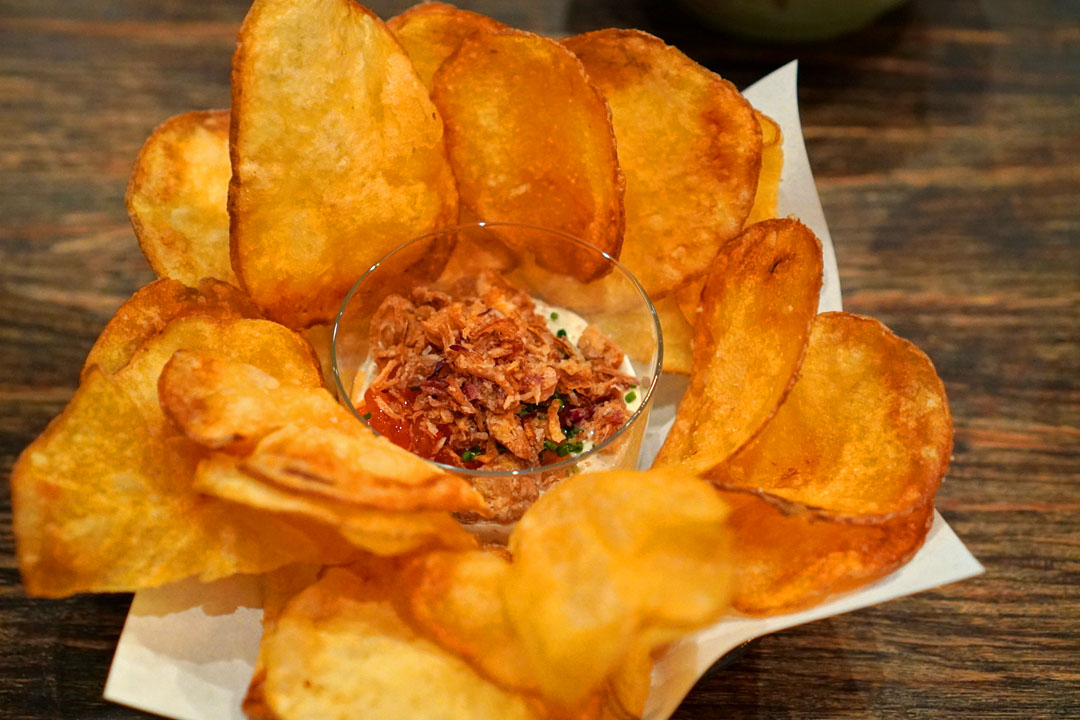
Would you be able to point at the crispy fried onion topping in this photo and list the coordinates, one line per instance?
(476, 379)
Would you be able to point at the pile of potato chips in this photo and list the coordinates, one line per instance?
(202, 440)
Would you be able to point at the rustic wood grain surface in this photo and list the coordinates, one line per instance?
(946, 143)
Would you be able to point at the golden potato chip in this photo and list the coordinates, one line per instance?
(361, 468)
(337, 154)
(788, 557)
(341, 650)
(382, 532)
(152, 307)
(606, 568)
(456, 598)
(103, 504)
(772, 164)
(177, 198)
(270, 347)
(229, 406)
(306, 442)
(530, 141)
(865, 432)
(757, 308)
(431, 31)
(690, 149)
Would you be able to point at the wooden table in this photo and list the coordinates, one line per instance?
(945, 141)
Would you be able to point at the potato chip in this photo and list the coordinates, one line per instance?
(772, 164)
(229, 406)
(604, 557)
(177, 198)
(431, 31)
(788, 557)
(456, 598)
(757, 308)
(340, 650)
(272, 348)
(152, 307)
(337, 154)
(382, 532)
(604, 565)
(865, 432)
(690, 149)
(361, 468)
(306, 442)
(103, 504)
(530, 141)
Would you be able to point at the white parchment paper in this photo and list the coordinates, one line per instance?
(187, 650)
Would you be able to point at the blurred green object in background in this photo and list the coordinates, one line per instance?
(790, 20)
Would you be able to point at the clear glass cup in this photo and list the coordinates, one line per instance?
(550, 266)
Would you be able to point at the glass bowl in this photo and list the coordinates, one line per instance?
(550, 266)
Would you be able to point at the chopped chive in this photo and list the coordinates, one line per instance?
(633, 387)
(367, 416)
(630, 397)
(470, 454)
(549, 445)
(561, 333)
(566, 448)
(554, 316)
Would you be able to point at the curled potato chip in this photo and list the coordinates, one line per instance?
(530, 141)
(337, 154)
(758, 305)
(865, 432)
(103, 504)
(177, 198)
(382, 532)
(272, 348)
(788, 556)
(340, 649)
(456, 598)
(606, 566)
(300, 439)
(606, 557)
(232, 405)
(772, 164)
(690, 149)
(152, 307)
(431, 31)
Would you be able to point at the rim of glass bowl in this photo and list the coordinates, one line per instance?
(562, 464)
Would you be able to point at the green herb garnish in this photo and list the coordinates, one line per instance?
(561, 333)
(566, 448)
(470, 454)
(367, 416)
(554, 316)
(549, 445)
(630, 397)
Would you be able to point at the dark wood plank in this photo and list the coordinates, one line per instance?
(944, 141)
